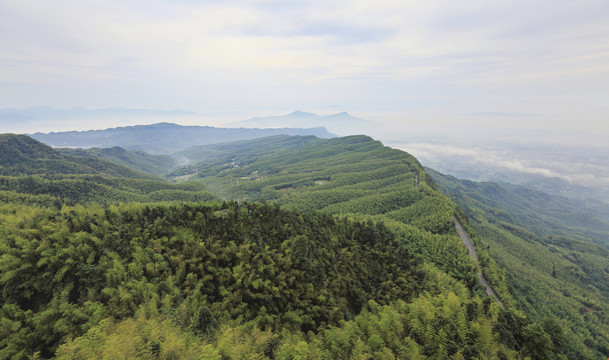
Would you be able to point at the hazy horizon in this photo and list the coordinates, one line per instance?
(566, 162)
(47, 119)
(438, 79)
(516, 64)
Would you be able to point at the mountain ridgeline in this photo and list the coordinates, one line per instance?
(138, 160)
(163, 138)
(283, 247)
(354, 176)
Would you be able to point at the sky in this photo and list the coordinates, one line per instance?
(540, 64)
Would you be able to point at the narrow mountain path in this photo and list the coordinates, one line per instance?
(469, 244)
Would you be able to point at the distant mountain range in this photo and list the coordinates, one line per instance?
(164, 138)
(341, 123)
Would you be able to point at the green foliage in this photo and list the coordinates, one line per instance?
(31, 172)
(144, 336)
(431, 327)
(239, 280)
(350, 175)
(64, 270)
(557, 269)
(138, 160)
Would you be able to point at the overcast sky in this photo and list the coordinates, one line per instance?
(539, 63)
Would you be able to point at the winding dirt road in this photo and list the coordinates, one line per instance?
(469, 244)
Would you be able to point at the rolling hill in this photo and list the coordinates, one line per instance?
(355, 176)
(530, 233)
(138, 160)
(31, 171)
(353, 253)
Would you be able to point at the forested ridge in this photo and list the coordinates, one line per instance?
(225, 278)
(348, 252)
(556, 256)
(32, 172)
(353, 175)
(139, 160)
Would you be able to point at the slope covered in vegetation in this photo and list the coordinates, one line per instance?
(230, 280)
(139, 160)
(344, 175)
(21, 155)
(389, 278)
(352, 175)
(32, 172)
(357, 176)
(556, 258)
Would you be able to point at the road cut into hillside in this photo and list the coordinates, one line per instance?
(469, 244)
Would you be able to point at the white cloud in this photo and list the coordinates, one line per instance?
(487, 158)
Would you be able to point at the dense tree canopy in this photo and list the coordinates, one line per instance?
(558, 268)
(354, 255)
(206, 273)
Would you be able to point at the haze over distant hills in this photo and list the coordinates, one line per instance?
(341, 123)
(570, 165)
(164, 138)
(47, 119)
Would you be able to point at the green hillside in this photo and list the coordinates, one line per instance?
(139, 160)
(361, 260)
(234, 281)
(352, 175)
(556, 255)
(21, 155)
(33, 172)
(345, 175)
(356, 175)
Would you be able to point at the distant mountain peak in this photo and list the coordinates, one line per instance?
(299, 113)
(341, 123)
(342, 114)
